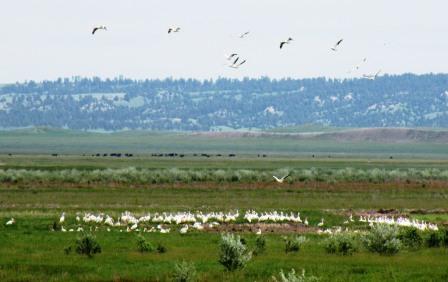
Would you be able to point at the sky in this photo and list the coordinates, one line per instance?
(47, 39)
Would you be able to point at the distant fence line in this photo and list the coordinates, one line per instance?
(133, 175)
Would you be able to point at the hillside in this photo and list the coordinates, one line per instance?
(226, 105)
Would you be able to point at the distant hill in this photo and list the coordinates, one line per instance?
(375, 135)
(226, 105)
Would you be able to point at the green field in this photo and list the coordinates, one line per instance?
(30, 251)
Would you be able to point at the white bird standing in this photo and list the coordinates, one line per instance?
(306, 221)
(285, 42)
(173, 29)
(280, 180)
(62, 218)
(11, 221)
(184, 229)
(335, 47)
(258, 231)
(321, 223)
(100, 27)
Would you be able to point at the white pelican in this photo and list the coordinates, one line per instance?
(11, 221)
(101, 27)
(173, 29)
(62, 218)
(280, 180)
(184, 229)
(244, 34)
(335, 47)
(285, 42)
(321, 223)
(258, 231)
(229, 57)
(371, 76)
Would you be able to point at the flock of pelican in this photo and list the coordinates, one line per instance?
(235, 61)
(162, 222)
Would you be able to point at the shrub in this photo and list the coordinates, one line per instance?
(293, 277)
(260, 245)
(294, 244)
(445, 237)
(161, 248)
(144, 246)
(341, 243)
(410, 237)
(383, 239)
(233, 254)
(434, 239)
(87, 245)
(184, 272)
(68, 250)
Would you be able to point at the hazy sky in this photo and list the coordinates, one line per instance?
(46, 39)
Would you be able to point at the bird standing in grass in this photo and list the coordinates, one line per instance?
(11, 221)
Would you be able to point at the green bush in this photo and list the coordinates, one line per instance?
(294, 244)
(184, 272)
(341, 243)
(411, 238)
(143, 245)
(87, 245)
(68, 250)
(435, 239)
(260, 245)
(383, 239)
(161, 248)
(293, 277)
(233, 254)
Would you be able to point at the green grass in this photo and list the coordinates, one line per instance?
(30, 252)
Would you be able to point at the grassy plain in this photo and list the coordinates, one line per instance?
(29, 251)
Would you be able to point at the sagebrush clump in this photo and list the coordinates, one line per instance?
(292, 276)
(383, 239)
(341, 243)
(233, 254)
(87, 245)
(184, 272)
(294, 243)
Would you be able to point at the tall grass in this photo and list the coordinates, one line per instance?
(132, 175)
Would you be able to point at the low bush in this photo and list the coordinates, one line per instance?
(411, 238)
(184, 272)
(435, 239)
(260, 245)
(341, 243)
(293, 277)
(294, 244)
(87, 245)
(233, 254)
(383, 239)
(161, 248)
(143, 245)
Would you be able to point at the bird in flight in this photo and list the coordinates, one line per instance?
(244, 34)
(235, 65)
(280, 180)
(173, 29)
(285, 42)
(229, 57)
(371, 76)
(101, 27)
(335, 47)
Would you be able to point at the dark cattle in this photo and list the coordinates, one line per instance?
(264, 156)
(98, 155)
(54, 155)
(232, 155)
(181, 155)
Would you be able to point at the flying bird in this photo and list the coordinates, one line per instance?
(229, 57)
(244, 34)
(280, 180)
(285, 42)
(335, 47)
(173, 29)
(101, 27)
(235, 65)
(371, 76)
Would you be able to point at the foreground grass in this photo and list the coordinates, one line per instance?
(32, 253)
